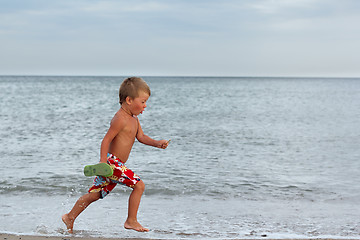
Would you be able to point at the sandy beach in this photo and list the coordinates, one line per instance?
(26, 237)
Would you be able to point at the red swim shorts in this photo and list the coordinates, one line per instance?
(121, 175)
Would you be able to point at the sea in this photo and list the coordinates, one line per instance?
(249, 157)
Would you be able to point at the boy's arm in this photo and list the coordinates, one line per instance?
(116, 126)
(141, 137)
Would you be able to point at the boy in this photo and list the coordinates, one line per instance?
(115, 150)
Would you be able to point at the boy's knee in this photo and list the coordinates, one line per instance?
(140, 186)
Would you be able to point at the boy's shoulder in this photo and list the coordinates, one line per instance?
(118, 121)
(121, 119)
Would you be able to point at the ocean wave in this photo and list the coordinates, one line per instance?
(251, 191)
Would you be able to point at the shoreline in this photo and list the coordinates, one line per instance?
(5, 236)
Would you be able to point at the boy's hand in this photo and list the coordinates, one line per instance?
(164, 143)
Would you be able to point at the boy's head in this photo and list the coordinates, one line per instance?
(131, 87)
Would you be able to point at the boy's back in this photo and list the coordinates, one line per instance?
(125, 127)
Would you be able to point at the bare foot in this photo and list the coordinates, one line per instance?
(134, 225)
(68, 222)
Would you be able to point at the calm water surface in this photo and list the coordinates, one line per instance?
(249, 157)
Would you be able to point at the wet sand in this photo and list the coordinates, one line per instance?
(26, 237)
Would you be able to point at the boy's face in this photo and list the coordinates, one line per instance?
(138, 105)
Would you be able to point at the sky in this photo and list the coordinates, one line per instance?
(276, 38)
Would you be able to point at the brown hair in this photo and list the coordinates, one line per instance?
(130, 87)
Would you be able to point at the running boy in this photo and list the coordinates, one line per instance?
(115, 150)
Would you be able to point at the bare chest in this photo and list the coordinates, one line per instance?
(130, 130)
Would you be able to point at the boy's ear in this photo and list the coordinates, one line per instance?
(128, 100)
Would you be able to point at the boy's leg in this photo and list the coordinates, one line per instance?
(80, 205)
(134, 202)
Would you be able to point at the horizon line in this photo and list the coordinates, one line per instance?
(164, 76)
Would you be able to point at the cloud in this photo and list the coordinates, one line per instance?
(201, 37)
(281, 6)
(124, 7)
